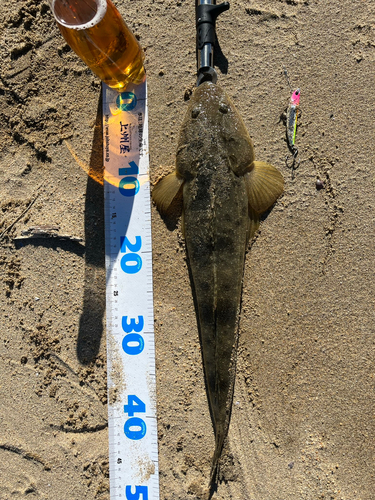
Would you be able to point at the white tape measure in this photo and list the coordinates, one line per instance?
(132, 427)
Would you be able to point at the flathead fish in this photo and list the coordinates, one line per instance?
(224, 193)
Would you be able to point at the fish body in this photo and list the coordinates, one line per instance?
(224, 192)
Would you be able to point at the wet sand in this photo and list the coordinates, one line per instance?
(303, 415)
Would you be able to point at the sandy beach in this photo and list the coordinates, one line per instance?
(303, 420)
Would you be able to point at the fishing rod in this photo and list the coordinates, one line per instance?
(206, 14)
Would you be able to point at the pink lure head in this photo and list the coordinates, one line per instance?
(295, 97)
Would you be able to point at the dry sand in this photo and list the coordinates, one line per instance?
(303, 423)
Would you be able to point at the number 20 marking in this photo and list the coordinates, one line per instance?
(131, 263)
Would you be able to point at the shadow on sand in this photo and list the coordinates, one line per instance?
(91, 321)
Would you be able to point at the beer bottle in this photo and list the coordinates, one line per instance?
(96, 32)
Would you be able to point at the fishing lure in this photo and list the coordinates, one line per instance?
(292, 113)
(291, 121)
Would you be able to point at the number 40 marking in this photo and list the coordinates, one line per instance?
(135, 405)
(134, 428)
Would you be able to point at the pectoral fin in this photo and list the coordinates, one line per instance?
(253, 224)
(166, 190)
(264, 185)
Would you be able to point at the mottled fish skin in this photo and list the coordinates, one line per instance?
(213, 154)
(215, 165)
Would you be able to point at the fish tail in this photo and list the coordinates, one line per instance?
(216, 462)
(214, 473)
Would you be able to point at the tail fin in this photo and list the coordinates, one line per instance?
(215, 464)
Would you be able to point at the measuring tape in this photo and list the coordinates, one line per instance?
(132, 426)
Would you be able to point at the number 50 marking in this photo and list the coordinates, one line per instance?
(139, 490)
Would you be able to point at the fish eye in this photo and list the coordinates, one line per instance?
(195, 112)
(223, 108)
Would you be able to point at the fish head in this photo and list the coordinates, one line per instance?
(213, 128)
